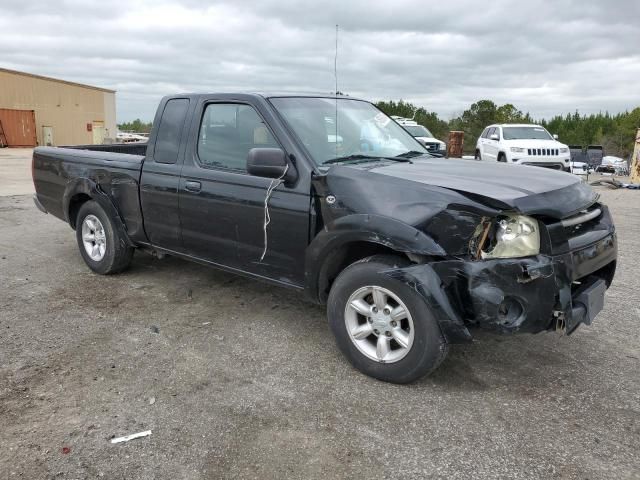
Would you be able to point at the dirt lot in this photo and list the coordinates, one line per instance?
(237, 379)
(15, 171)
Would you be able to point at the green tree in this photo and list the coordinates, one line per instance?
(437, 126)
(507, 113)
(616, 133)
(136, 126)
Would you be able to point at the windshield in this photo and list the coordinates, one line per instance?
(362, 130)
(524, 133)
(418, 131)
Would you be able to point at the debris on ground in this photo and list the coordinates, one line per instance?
(146, 433)
(154, 329)
(615, 184)
(152, 400)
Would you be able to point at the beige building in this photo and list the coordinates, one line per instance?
(47, 111)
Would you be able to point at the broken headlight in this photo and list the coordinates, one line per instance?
(514, 236)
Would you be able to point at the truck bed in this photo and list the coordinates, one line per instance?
(139, 148)
(62, 175)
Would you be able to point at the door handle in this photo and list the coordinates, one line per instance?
(192, 186)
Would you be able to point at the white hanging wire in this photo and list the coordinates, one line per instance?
(275, 183)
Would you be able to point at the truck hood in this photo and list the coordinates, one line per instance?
(526, 189)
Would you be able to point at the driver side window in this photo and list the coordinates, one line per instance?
(227, 132)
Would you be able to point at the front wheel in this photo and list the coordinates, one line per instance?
(381, 325)
(102, 247)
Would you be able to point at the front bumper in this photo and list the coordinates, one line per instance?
(555, 162)
(530, 294)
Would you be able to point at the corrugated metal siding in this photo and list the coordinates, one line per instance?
(19, 127)
(65, 107)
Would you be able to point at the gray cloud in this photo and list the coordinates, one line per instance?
(545, 57)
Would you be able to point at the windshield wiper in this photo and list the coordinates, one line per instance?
(411, 154)
(347, 158)
(356, 157)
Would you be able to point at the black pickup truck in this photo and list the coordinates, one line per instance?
(329, 196)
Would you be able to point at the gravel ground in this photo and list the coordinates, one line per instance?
(15, 171)
(238, 379)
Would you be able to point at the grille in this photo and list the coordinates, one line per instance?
(547, 152)
(582, 217)
(586, 227)
(582, 221)
(431, 146)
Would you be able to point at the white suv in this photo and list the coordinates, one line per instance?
(422, 134)
(522, 144)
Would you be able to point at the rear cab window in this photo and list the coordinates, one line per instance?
(170, 130)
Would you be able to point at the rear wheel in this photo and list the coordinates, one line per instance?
(478, 156)
(381, 325)
(101, 245)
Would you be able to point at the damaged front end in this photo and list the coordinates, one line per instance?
(517, 262)
(558, 289)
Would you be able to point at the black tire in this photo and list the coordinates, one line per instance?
(478, 156)
(118, 253)
(429, 346)
(502, 157)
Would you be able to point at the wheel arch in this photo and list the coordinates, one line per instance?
(355, 237)
(82, 190)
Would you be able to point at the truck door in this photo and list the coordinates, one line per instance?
(222, 207)
(160, 177)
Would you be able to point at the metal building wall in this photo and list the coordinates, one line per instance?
(18, 127)
(66, 107)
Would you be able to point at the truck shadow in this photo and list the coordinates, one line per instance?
(526, 363)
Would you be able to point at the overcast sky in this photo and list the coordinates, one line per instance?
(545, 57)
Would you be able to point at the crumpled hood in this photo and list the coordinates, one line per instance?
(530, 190)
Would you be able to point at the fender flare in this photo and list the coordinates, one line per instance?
(375, 229)
(95, 192)
(428, 284)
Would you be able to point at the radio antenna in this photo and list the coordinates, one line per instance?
(335, 73)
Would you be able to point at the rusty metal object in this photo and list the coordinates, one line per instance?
(455, 144)
(483, 238)
(19, 127)
(634, 172)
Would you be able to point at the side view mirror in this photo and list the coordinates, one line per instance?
(494, 137)
(268, 162)
(555, 136)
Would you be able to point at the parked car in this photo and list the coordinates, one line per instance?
(409, 252)
(522, 144)
(579, 168)
(423, 135)
(613, 165)
(129, 137)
